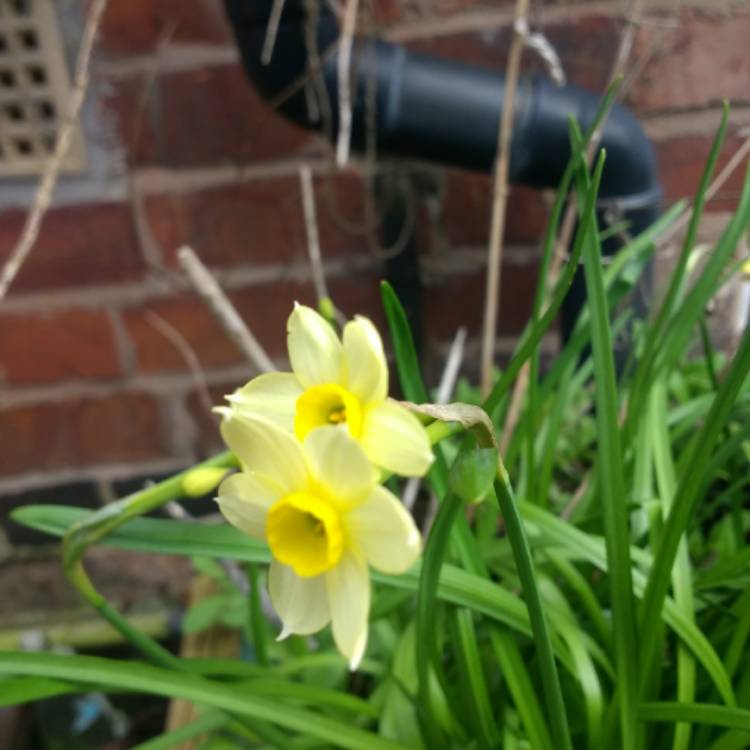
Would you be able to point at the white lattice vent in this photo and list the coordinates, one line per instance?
(34, 88)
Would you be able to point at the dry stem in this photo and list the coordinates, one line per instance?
(186, 352)
(345, 100)
(444, 393)
(64, 137)
(208, 288)
(499, 200)
(311, 230)
(271, 31)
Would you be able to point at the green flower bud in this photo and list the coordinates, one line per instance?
(199, 482)
(473, 473)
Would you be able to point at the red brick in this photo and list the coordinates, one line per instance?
(215, 115)
(467, 210)
(682, 160)
(57, 345)
(138, 26)
(586, 46)
(82, 432)
(77, 246)
(459, 301)
(259, 221)
(204, 116)
(154, 352)
(208, 441)
(700, 62)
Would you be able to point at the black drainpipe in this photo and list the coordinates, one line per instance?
(448, 112)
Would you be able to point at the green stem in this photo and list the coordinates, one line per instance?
(257, 630)
(102, 522)
(434, 554)
(525, 566)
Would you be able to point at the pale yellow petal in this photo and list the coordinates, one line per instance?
(349, 599)
(245, 499)
(339, 464)
(396, 440)
(365, 368)
(265, 448)
(314, 348)
(301, 603)
(385, 532)
(272, 395)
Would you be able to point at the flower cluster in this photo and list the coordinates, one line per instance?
(311, 444)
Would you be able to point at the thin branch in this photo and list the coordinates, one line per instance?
(445, 391)
(345, 99)
(63, 140)
(499, 200)
(311, 230)
(514, 409)
(538, 42)
(186, 352)
(452, 367)
(271, 31)
(316, 92)
(222, 309)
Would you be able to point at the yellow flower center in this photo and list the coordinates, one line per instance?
(305, 532)
(327, 404)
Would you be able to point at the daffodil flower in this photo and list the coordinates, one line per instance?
(319, 507)
(342, 383)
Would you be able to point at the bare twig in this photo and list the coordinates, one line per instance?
(445, 391)
(315, 88)
(499, 200)
(186, 352)
(514, 409)
(345, 100)
(271, 31)
(311, 229)
(63, 140)
(452, 367)
(222, 309)
(136, 122)
(539, 43)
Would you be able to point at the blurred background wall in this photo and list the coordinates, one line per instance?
(97, 392)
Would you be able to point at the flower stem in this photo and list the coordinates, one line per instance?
(100, 523)
(257, 629)
(525, 566)
(426, 647)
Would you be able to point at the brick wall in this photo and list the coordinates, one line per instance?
(182, 150)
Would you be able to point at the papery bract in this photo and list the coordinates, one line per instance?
(318, 505)
(342, 383)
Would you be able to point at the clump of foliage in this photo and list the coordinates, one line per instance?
(597, 597)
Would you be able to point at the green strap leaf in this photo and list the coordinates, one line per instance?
(158, 681)
(697, 713)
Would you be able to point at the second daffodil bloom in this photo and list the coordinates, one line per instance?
(343, 383)
(319, 507)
